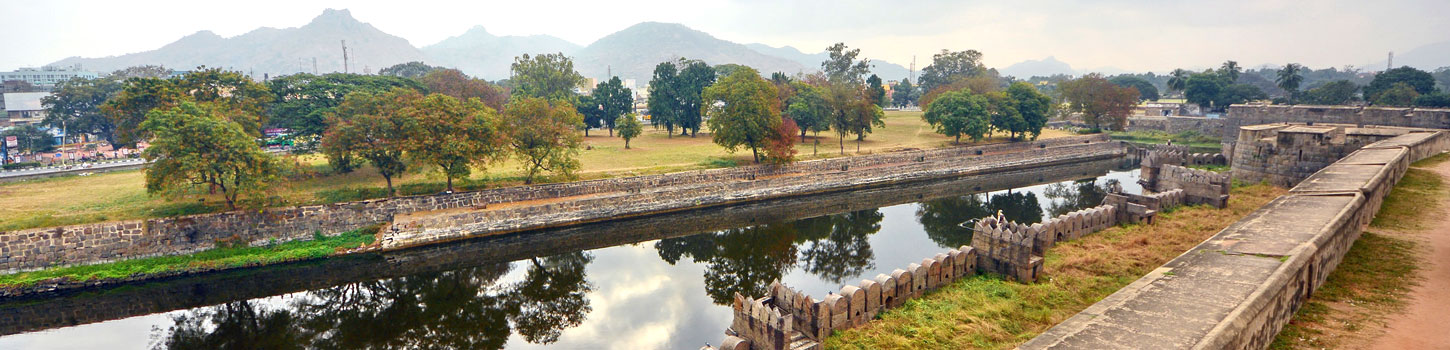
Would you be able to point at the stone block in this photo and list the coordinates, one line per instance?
(856, 305)
(947, 274)
(918, 279)
(955, 255)
(933, 273)
(734, 343)
(822, 322)
(888, 290)
(873, 297)
(840, 311)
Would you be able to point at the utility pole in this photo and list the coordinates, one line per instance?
(913, 68)
(314, 65)
(1390, 64)
(344, 56)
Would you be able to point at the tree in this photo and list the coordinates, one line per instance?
(1400, 95)
(1178, 80)
(31, 139)
(375, 128)
(629, 127)
(76, 104)
(841, 67)
(694, 77)
(127, 110)
(195, 148)
(947, 67)
(743, 111)
(959, 113)
(1033, 106)
(809, 109)
(547, 76)
(1289, 79)
(590, 112)
(1332, 93)
(780, 144)
(1146, 90)
(142, 71)
(1230, 70)
(231, 90)
(1419, 81)
(1435, 100)
(662, 104)
(542, 135)
(852, 113)
(981, 84)
(455, 135)
(875, 91)
(1100, 101)
(453, 82)
(614, 101)
(1238, 93)
(901, 94)
(412, 69)
(1203, 88)
(302, 102)
(1002, 114)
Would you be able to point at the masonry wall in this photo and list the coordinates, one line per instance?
(1176, 124)
(32, 249)
(1238, 289)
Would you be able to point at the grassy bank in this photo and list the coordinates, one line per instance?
(217, 258)
(1196, 142)
(122, 195)
(988, 312)
(1377, 273)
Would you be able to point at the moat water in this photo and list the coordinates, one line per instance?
(651, 283)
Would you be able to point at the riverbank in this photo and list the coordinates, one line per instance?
(989, 312)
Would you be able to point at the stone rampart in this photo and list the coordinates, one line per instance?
(31, 249)
(1176, 124)
(1237, 289)
(1284, 154)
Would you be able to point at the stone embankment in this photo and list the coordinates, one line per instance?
(524, 207)
(1284, 154)
(1238, 289)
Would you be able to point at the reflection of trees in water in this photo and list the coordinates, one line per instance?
(1080, 194)
(460, 309)
(747, 259)
(942, 218)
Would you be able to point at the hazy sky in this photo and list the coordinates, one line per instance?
(1134, 34)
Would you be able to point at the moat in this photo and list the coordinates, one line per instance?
(657, 282)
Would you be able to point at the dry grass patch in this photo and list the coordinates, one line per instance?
(988, 312)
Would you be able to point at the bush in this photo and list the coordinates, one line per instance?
(21, 165)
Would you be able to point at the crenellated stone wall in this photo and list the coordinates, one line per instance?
(1284, 154)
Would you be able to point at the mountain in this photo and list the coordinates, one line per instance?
(632, 53)
(1035, 68)
(274, 51)
(812, 62)
(483, 55)
(1427, 58)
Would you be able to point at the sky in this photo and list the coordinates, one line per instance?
(1137, 35)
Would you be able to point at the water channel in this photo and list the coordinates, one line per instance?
(661, 282)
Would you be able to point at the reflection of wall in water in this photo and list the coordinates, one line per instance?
(75, 308)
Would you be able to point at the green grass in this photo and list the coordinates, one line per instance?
(1211, 167)
(217, 258)
(988, 312)
(1196, 142)
(1377, 272)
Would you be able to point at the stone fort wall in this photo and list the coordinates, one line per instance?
(1256, 114)
(1176, 124)
(33, 249)
(1284, 154)
(1237, 289)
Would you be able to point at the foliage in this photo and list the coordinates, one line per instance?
(30, 138)
(375, 128)
(1215, 91)
(453, 82)
(903, 93)
(542, 135)
(780, 145)
(233, 91)
(948, 67)
(127, 110)
(809, 109)
(629, 127)
(302, 102)
(546, 76)
(412, 70)
(197, 149)
(76, 105)
(1146, 90)
(959, 113)
(1178, 80)
(675, 91)
(1419, 81)
(977, 85)
(1033, 106)
(1230, 70)
(743, 111)
(614, 101)
(852, 113)
(841, 66)
(662, 104)
(1399, 95)
(875, 91)
(1289, 79)
(142, 71)
(1435, 100)
(1333, 93)
(455, 135)
(1100, 101)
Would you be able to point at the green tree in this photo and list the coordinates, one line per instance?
(1400, 95)
(1203, 88)
(1230, 70)
(1033, 106)
(948, 67)
(875, 91)
(1289, 79)
(1002, 114)
(31, 139)
(662, 104)
(547, 76)
(1435, 100)
(809, 109)
(76, 105)
(375, 128)
(302, 102)
(1146, 90)
(412, 70)
(959, 113)
(901, 94)
(1420, 81)
(590, 112)
(743, 111)
(453, 82)
(695, 76)
(1100, 101)
(1178, 80)
(244, 100)
(629, 127)
(197, 149)
(542, 135)
(852, 113)
(128, 109)
(842, 68)
(455, 135)
(614, 101)
(1332, 93)
(1238, 93)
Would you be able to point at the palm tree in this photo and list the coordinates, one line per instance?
(1231, 70)
(1289, 79)
(1178, 81)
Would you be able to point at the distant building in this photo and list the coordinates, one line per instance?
(23, 108)
(46, 78)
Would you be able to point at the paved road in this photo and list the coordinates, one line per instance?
(75, 168)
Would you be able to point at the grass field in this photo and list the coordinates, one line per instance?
(122, 195)
(989, 312)
(1196, 142)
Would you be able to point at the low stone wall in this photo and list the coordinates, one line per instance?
(1176, 124)
(1256, 114)
(1237, 289)
(1284, 154)
(32, 249)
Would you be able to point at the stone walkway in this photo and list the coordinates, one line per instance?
(1425, 323)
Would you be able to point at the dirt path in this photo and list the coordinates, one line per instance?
(1425, 323)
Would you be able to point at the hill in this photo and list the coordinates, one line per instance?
(812, 62)
(632, 53)
(480, 54)
(1037, 68)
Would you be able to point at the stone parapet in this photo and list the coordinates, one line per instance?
(1284, 154)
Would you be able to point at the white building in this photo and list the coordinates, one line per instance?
(45, 77)
(23, 108)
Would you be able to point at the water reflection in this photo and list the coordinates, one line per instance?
(1077, 195)
(458, 309)
(942, 218)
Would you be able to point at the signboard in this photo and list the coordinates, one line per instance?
(12, 141)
